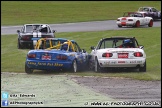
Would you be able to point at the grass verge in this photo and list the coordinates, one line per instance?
(13, 59)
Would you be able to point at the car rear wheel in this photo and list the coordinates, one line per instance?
(97, 66)
(28, 70)
(119, 26)
(137, 24)
(19, 45)
(74, 66)
(143, 69)
(150, 23)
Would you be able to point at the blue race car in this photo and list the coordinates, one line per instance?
(56, 54)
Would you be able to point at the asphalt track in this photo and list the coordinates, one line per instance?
(78, 27)
(74, 91)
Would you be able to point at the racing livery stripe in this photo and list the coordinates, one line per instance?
(34, 34)
(39, 34)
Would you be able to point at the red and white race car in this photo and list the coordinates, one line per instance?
(117, 53)
(134, 19)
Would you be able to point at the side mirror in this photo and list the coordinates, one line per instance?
(141, 46)
(92, 47)
(53, 31)
(18, 31)
(83, 50)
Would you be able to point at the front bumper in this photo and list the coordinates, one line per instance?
(126, 23)
(121, 62)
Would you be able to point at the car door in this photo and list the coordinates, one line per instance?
(142, 18)
(81, 57)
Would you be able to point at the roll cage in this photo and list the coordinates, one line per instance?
(115, 43)
(48, 44)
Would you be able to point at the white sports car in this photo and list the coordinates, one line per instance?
(134, 19)
(118, 52)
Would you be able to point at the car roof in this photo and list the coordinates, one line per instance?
(35, 24)
(121, 37)
(133, 12)
(118, 37)
(61, 39)
(147, 7)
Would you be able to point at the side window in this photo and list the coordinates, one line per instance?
(136, 44)
(106, 44)
(49, 30)
(29, 28)
(154, 10)
(76, 47)
(23, 29)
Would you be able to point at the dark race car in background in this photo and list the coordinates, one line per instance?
(151, 12)
(29, 31)
(56, 54)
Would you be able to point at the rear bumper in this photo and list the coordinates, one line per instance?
(48, 65)
(122, 62)
(22, 42)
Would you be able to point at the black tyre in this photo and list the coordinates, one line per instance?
(143, 69)
(97, 66)
(19, 45)
(74, 67)
(28, 70)
(119, 26)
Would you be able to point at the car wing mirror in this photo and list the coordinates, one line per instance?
(18, 31)
(83, 50)
(53, 31)
(141, 46)
(92, 47)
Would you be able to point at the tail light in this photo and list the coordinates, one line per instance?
(130, 19)
(31, 55)
(25, 38)
(138, 54)
(107, 55)
(118, 19)
(61, 57)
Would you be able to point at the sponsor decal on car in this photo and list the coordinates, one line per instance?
(113, 62)
(44, 64)
(121, 61)
(122, 51)
(132, 61)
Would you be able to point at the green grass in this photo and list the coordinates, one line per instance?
(13, 59)
(50, 12)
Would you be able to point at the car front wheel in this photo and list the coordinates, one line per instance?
(28, 70)
(97, 66)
